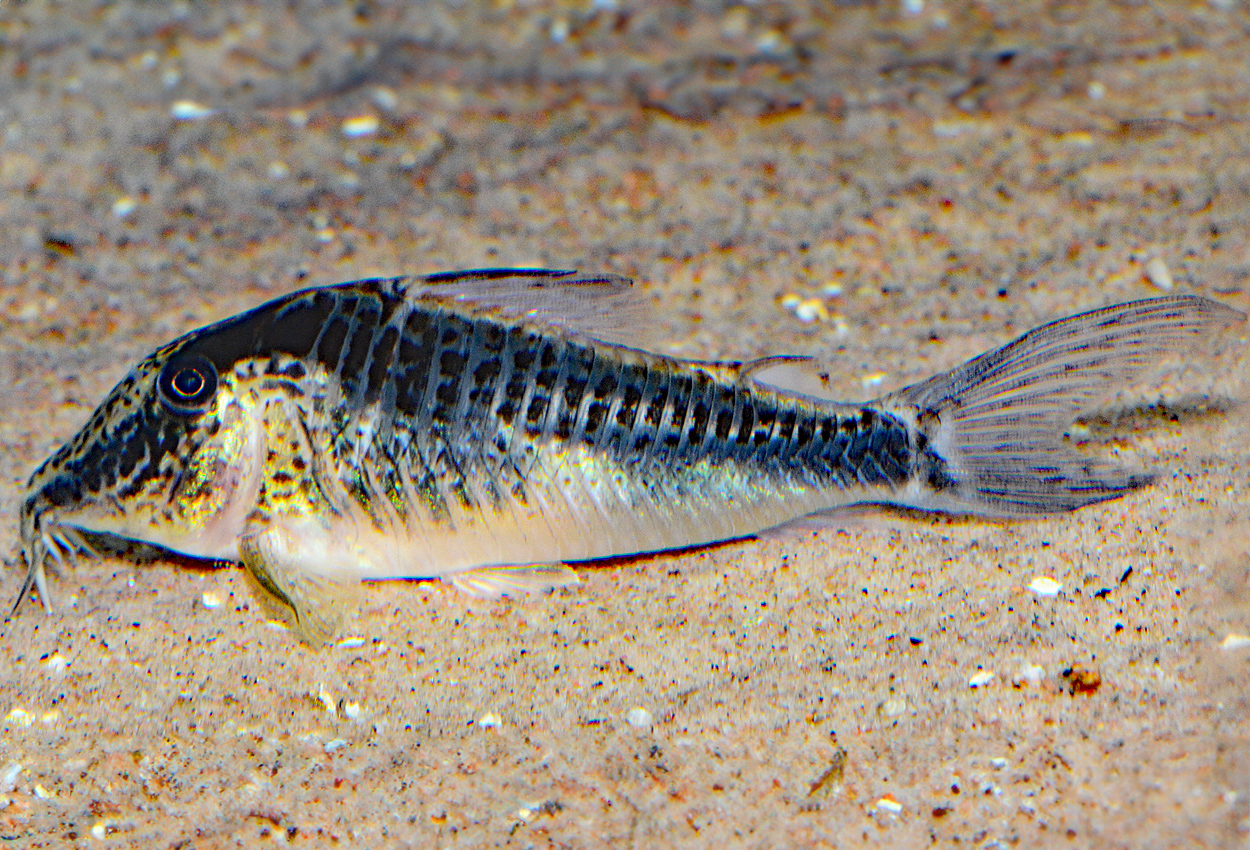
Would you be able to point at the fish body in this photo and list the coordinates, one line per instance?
(489, 427)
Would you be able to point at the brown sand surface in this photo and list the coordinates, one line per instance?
(893, 186)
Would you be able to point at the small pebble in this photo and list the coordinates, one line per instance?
(124, 206)
(8, 779)
(638, 717)
(1082, 679)
(998, 763)
(889, 804)
(980, 679)
(385, 98)
(1045, 586)
(1235, 641)
(350, 643)
(19, 717)
(326, 699)
(893, 707)
(1157, 273)
(56, 663)
(210, 600)
(806, 310)
(351, 710)
(771, 41)
(189, 110)
(336, 744)
(361, 125)
(490, 720)
(1028, 674)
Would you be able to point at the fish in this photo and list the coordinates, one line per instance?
(491, 428)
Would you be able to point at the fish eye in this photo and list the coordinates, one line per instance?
(187, 384)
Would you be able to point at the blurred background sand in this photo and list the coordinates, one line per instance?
(893, 186)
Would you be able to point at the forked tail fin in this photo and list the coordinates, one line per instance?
(991, 431)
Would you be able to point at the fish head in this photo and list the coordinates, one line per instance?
(171, 457)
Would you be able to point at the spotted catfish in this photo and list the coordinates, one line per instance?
(490, 427)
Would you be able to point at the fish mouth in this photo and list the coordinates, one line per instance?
(63, 514)
(44, 540)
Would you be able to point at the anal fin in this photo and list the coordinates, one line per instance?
(312, 604)
(494, 582)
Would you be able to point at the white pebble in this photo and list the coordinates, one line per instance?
(490, 720)
(893, 707)
(638, 717)
(806, 310)
(210, 600)
(1157, 273)
(1028, 674)
(385, 98)
(326, 699)
(980, 679)
(1045, 586)
(351, 710)
(8, 779)
(1235, 641)
(336, 744)
(19, 717)
(189, 110)
(889, 804)
(350, 643)
(56, 663)
(361, 125)
(124, 206)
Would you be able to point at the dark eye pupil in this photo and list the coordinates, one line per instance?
(187, 383)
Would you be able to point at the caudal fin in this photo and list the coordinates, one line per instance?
(994, 426)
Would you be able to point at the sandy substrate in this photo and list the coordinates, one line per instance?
(896, 188)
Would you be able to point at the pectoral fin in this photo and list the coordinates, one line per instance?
(493, 582)
(313, 605)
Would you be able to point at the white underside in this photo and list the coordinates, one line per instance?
(580, 507)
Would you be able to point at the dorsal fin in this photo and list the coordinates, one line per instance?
(605, 307)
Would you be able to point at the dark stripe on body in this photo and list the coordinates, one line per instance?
(647, 415)
(474, 398)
